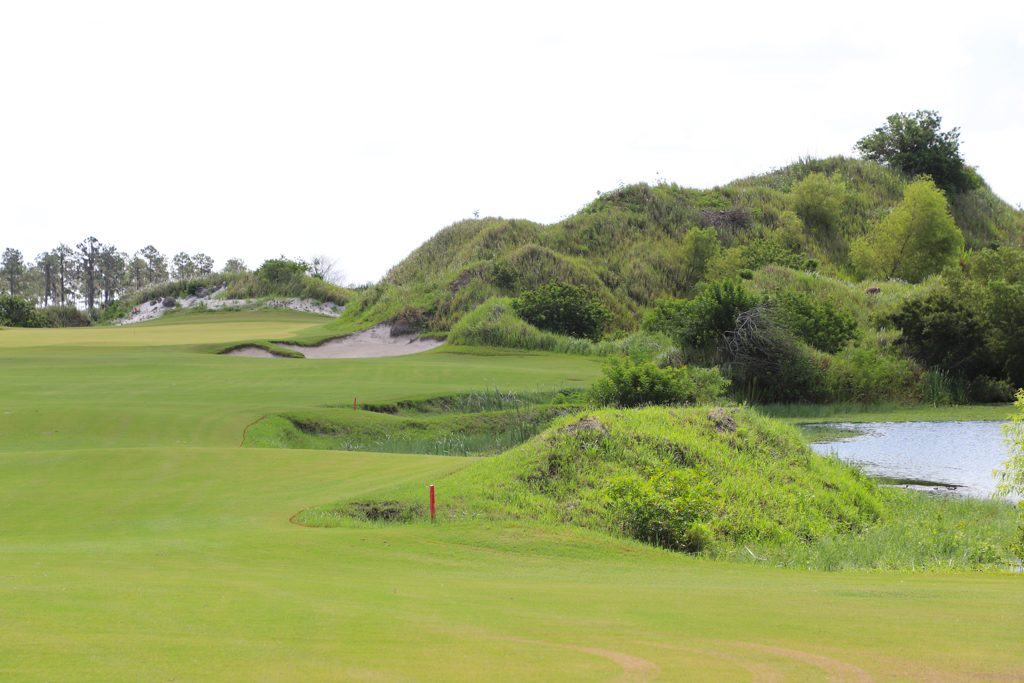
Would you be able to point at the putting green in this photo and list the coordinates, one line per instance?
(138, 542)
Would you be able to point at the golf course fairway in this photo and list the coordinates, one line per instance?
(140, 542)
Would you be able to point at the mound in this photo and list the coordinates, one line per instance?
(681, 478)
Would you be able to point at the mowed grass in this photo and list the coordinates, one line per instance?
(125, 555)
(157, 385)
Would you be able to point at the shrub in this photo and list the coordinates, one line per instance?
(563, 309)
(281, 271)
(1011, 474)
(819, 201)
(702, 321)
(114, 311)
(866, 372)
(495, 323)
(944, 332)
(629, 384)
(18, 312)
(916, 239)
(767, 362)
(663, 508)
(815, 321)
(65, 316)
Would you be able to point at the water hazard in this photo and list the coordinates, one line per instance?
(958, 457)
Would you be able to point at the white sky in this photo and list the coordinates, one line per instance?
(357, 130)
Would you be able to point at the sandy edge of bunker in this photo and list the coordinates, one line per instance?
(376, 342)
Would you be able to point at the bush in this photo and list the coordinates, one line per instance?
(563, 309)
(629, 384)
(277, 272)
(495, 323)
(702, 321)
(916, 239)
(18, 312)
(815, 321)
(820, 202)
(65, 316)
(767, 363)
(1011, 474)
(868, 373)
(944, 332)
(663, 509)
(115, 310)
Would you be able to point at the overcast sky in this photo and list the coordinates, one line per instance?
(357, 130)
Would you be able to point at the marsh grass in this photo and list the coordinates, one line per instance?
(489, 399)
(920, 532)
(802, 413)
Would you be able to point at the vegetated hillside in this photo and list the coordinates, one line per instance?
(681, 478)
(726, 482)
(639, 243)
(275, 278)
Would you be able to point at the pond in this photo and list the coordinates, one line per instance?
(958, 457)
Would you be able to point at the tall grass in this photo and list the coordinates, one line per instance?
(495, 323)
(244, 286)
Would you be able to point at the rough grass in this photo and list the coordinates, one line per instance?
(734, 472)
(483, 433)
(728, 484)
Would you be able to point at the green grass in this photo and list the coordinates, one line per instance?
(804, 413)
(749, 486)
(344, 429)
(138, 542)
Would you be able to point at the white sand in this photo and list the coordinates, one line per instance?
(151, 310)
(375, 342)
(251, 352)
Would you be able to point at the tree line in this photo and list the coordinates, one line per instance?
(93, 274)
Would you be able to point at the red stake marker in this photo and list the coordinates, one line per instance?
(433, 508)
(354, 404)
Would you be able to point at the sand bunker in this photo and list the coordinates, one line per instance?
(251, 352)
(153, 309)
(376, 342)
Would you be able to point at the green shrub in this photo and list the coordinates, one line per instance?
(18, 312)
(815, 321)
(702, 321)
(988, 390)
(114, 311)
(663, 507)
(868, 372)
(945, 332)
(820, 202)
(281, 271)
(629, 384)
(563, 309)
(767, 363)
(65, 316)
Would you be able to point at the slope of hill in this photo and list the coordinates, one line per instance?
(639, 243)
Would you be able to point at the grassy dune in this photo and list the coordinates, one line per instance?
(139, 542)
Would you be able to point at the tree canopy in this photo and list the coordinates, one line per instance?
(916, 145)
(916, 239)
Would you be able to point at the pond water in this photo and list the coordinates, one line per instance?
(957, 457)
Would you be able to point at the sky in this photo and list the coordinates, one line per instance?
(356, 131)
